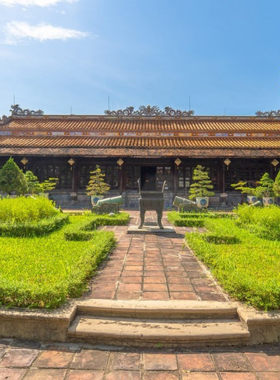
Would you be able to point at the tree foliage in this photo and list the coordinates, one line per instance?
(265, 188)
(96, 184)
(12, 178)
(202, 184)
(276, 185)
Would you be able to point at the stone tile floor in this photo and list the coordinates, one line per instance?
(37, 361)
(153, 267)
(147, 267)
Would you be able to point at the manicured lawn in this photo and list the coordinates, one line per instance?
(249, 268)
(44, 271)
(43, 261)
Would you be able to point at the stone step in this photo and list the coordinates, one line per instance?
(156, 333)
(158, 309)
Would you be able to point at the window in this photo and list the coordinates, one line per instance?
(249, 172)
(132, 175)
(164, 174)
(184, 174)
(60, 170)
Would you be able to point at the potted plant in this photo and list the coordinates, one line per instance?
(96, 187)
(265, 190)
(201, 187)
(12, 179)
(250, 191)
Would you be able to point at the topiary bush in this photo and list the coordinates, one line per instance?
(12, 178)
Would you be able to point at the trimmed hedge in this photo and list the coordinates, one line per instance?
(194, 219)
(220, 238)
(189, 222)
(84, 229)
(33, 228)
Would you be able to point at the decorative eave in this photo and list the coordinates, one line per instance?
(142, 153)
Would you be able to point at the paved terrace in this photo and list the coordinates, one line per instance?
(153, 267)
(37, 361)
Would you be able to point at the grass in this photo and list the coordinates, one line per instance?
(42, 272)
(263, 222)
(29, 217)
(247, 266)
(22, 209)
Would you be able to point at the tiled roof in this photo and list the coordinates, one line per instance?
(94, 135)
(102, 123)
(144, 143)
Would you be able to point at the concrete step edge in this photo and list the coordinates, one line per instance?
(87, 328)
(160, 309)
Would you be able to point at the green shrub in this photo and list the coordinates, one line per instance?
(189, 222)
(12, 178)
(33, 228)
(23, 209)
(263, 222)
(201, 183)
(193, 219)
(33, 184)
(220, 238)
(249, 270)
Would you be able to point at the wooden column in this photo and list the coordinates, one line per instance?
(75, 177)
(220, 176)
(175, 178)
(121, 177)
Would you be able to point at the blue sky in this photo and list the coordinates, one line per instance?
(219, 56)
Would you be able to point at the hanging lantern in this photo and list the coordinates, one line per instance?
(274, 163)
(120, 162)
(24, 161)
(71, 162)
(177, 162)
(227, 162)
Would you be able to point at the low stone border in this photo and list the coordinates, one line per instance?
(264, 326)
(30, 324)
(45, 325)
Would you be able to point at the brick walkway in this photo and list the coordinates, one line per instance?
(153, 267)
(36, 361)
(148, 267)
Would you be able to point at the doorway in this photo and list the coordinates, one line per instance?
(148, 178)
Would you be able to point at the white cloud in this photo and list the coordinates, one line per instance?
(40, 3)
(18, 31)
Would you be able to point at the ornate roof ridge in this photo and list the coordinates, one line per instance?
(143, 113)
(118, 117)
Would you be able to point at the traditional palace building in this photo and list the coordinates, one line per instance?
(150, 144)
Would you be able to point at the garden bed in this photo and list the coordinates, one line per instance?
(246, 265)
(31, 216)
(193, 219)
(42, 272)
